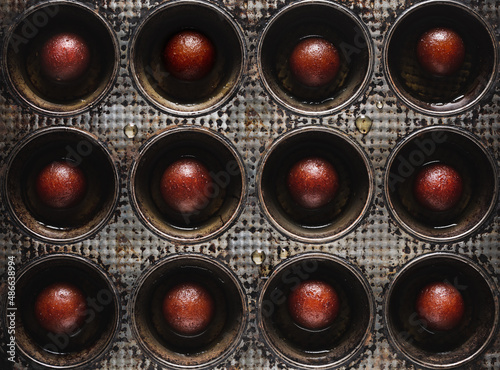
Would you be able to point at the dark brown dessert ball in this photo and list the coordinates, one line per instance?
(312, 182)
(314, 304)
(441, 306)
(61, 185)
(441, 51)
(61, 308)
(438, 187)
(186, 185)
(189, 55)
(65, 57)
(314, 62)
(188, 308)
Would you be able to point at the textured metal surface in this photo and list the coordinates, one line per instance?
(251, 120)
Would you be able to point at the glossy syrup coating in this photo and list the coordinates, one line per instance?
(65, 57)
(61, 185)
(186, 185)
(189, 55)
(314, 304)
(441, 51)
(312, 182)
(314, 62)
(438, 187)
(188, 308)
(441, 306)
(61, 308)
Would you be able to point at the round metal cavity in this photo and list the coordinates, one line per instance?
(165, 346)
(454, 147)
(76, 148)
(442, 349)
(226, 195)
(82, 347)
(338, 217)
(333, 346)
(175, 96)
(327, 20)
(22, 66)
(440, 96)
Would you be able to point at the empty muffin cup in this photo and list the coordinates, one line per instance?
(441, 145)
(200, 350)
(465, 85)
(84, 343)
(328, 91)
(181, 87)
(61, 185)
(332, 346)
(187, 207)
(419, 342)
(338, 214)
(60, 58)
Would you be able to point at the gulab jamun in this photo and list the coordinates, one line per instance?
(188, 308)
(189, 55)
(314, 62)
(312, 182)
(61, 185)
(314, 304)
(65, 57)
(438, 187)
(440, 306)
(185, 185)
(441, 51)
(61, 308)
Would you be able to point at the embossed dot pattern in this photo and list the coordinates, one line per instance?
(251, 120)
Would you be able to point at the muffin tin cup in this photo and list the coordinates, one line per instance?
(226, 195)
(80, 348)
(441, 96)
(338, 217)
(76, 147)
(175, 351)
(433, 349)
(328, 20)
(332, 347)
(21, 65)
(464, 152)
(187, 98)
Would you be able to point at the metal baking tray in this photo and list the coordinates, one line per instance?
(250, 117)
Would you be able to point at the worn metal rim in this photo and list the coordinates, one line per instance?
(189, 257)
(354, 271)
(329, 131)
(367, 76)
(390, 205)
(192, 112)
(98, 99)
(109, 284)
(48, 131)
(402, 96)
(441, 255)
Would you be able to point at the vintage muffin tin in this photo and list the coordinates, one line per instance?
(377, 252)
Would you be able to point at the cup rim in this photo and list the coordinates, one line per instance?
(25, 102)
(227, 96)
(430, 256)
(5, 188)
(327, 257)
(189, 256)
(368, 76)
(402, 96)
(386, 180)
(40, 260)
(327, 130)
(172, 130)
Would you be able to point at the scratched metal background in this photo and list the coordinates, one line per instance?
(251, 120)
